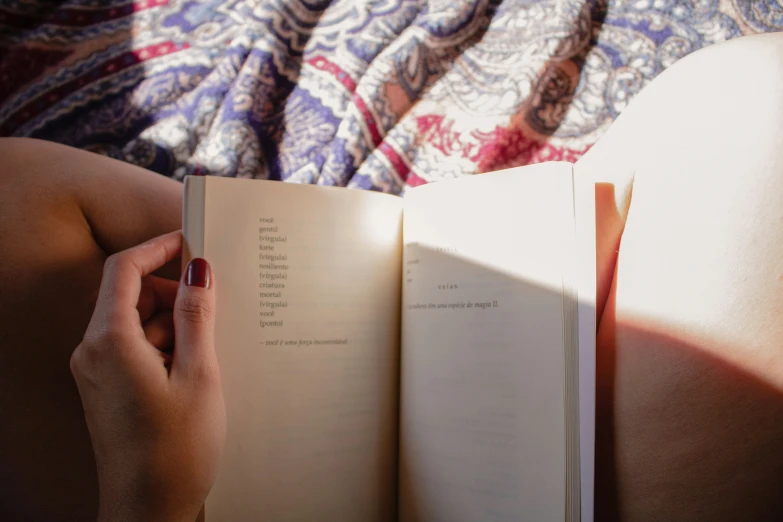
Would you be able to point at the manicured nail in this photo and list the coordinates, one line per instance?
(198, 273)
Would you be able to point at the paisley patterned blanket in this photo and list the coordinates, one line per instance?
(373, 94)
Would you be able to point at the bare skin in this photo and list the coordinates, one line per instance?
(690, 365)
(690, 343)
(149, 381)
(62, 213)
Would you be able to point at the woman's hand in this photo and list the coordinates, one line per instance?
(150, 385)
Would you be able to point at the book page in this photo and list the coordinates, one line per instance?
(308, 304)
(585, 217)
(482, 427)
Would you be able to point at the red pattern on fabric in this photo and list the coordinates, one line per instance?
(76, 16)
(438, 132)
(396, 52)
(369, 120)
(322, 64)
(509, 147)
(400, 166)
(500, 148)
(414, 180)
(100, 72)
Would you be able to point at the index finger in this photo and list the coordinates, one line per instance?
(122, 273)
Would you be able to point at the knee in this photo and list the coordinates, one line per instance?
(758, 56)
(14, 154)
(11, 151)
(45, 175)
(715, 113)
(32, 188)
(730, 87)
(14, 149)
(23, 161)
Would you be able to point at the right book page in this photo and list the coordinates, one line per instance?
(489, 276)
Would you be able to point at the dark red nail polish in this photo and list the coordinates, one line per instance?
(198, 273)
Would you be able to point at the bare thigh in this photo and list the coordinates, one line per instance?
(690, 257)
(62, 211)
(690, 415)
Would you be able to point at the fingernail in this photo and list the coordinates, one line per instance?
(198, 273)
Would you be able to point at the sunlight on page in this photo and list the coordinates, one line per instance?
(307, 338)
(482, 431)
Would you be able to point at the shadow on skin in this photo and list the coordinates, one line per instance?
(681, 434)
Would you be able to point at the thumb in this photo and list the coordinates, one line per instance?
(194, 321)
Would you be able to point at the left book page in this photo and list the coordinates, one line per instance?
(307, 336)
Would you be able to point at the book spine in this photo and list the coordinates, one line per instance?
(584, 210)
(193, 214)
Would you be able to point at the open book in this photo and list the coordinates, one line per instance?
(426, 358)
